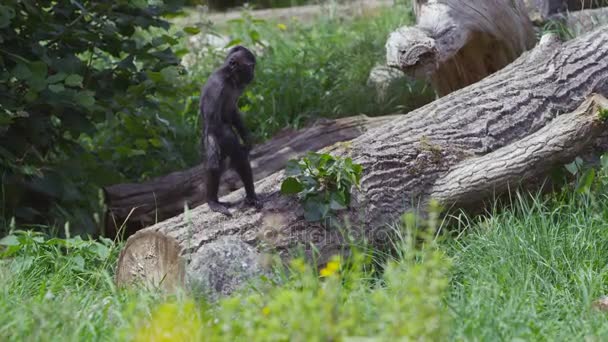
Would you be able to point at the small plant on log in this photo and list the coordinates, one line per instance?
(322, 183)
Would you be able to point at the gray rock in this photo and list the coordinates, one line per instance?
(223, 266)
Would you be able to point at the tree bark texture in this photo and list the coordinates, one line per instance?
(137, 205)
(501, 132)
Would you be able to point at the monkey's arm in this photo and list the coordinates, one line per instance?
(238, 123)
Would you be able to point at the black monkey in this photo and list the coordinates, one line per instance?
(218, 108)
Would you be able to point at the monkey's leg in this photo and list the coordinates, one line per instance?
(214, 170)
(213, 185)
(240, 163)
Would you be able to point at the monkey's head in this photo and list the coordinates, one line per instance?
(412, 51)
(241, 63)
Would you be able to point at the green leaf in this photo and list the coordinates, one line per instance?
(586, 181)
(39, 69)
(58, 77)
(254, 35)
(85, 99)
(10, 240)
(134, 153)
(334, 205)
(6, 14)
(155, 142)
(170, 74)
(233, 42)
(338, 201)
(169, 40)
(155, 76)
(74, 80)
(573, 168)
(56, 88)
(315, 210)
(192, 30)
(172, 15)
(31, 96)
(22, 72)
(78, 263)
(291, 186)
(358, 169)
(102, 251)
(293, 168)
(10, 251)
(37, 83)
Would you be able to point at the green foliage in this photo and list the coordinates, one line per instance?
(69, 70)
(322, 183)
(590, 179)
(33, 255)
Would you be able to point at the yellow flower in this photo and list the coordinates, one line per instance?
(282, 27)
(331, 268)
(266, 311)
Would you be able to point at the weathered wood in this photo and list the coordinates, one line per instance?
(562, 139)
(456, 43)
(137, 205)
(433, 151)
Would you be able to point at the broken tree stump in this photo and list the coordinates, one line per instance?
(456, 43)
(501, 132)
(139, 205)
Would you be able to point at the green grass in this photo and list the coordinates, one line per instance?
(532, 272)
(528, 272)
(64, 288)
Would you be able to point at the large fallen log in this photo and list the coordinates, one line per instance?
(461, 149)
(133, 206)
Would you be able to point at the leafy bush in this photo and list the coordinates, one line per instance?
(322, 183)
(67, 70)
